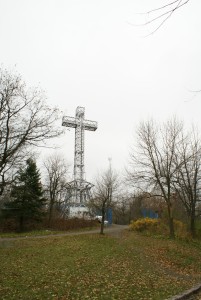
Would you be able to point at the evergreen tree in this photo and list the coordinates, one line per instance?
(27, 201)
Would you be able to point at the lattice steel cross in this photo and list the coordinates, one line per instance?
(80, 125)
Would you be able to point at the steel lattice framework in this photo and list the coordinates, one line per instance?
(79, 189)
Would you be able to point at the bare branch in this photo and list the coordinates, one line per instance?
(25, 119)
(164, 14)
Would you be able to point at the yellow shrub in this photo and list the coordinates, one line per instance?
(158, 226)
(144, 224)
(180, 229)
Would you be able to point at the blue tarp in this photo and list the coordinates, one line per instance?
(108, 215)
(148, 213)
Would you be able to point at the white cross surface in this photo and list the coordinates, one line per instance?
(80, 125)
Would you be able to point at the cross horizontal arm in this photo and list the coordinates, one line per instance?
(73, 123)
(69, 122)
(90, 125)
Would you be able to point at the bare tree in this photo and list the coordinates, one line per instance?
(188, 176)
(25, 120)
(152, 166)
(105, 188)
(121, 211)
(56, 180)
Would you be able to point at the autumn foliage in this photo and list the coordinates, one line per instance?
(158, 226)
(144, 224)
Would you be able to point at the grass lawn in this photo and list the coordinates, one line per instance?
(98, 267)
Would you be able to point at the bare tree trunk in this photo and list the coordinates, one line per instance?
(192, 224)
(171, 221)
(50, 212)
(103, 219)
(21, 223)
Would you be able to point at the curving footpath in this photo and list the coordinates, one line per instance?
(114, 230)
(192, 294)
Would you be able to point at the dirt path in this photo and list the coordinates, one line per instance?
(114, 230)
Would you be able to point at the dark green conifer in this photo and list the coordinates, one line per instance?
(27, 195)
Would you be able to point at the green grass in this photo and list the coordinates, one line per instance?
(97, 267)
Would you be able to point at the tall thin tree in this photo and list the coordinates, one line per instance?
(152, 165)
(56, 180)
(106, 186)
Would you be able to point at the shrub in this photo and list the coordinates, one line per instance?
(180, 229)
(69, 224)
(11, 225)
(159, 226)
(145, 224)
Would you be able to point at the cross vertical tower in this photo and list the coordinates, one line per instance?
(79, 187)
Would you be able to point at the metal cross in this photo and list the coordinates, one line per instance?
(80, 125)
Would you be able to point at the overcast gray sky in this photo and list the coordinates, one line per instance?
(87, 53)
